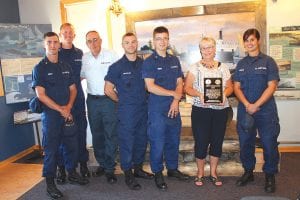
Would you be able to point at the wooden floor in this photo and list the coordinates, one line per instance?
(16, 179)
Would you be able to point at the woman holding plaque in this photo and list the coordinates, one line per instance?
(208, 82)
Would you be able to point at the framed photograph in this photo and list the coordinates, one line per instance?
(21, 49)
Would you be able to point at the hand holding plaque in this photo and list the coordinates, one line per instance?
(213, 90)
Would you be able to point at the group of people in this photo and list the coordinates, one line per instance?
(132, 102)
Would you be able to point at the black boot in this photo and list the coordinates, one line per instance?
(159, 181)
(140, 173)
(245, 178)
(52, 190)
(61, 175)
(74, 178)
(130, 180)
(270, 183)
(84, 170)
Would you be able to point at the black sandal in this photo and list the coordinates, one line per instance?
(216, 181)
(199, 181)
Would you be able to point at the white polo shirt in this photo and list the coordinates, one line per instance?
(95, 69)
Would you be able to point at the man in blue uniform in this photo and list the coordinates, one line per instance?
(255, 81)
(54, 85)
(163, 77)
(126, 77)
(68, 53)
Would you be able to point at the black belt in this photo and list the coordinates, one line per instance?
(96, 96)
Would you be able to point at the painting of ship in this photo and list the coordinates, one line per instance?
(186, 32)
(22, 40)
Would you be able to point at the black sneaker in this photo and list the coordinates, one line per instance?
(245, 178)
(61, 175)
(52, 190)
(175, 173)
(84, 170)
(74, 178)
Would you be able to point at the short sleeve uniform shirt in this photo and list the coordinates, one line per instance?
(165, 71)
(95, 69)
(56, 78)
(127, 77)
(253, 74)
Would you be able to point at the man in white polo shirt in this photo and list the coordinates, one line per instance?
(101, 109)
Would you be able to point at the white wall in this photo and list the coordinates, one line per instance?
(40, 12)
(281, 13)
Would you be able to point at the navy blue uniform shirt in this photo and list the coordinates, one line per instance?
(165, 71)
(56, 78)
(127, 77)
(73, 57)
(254, 73)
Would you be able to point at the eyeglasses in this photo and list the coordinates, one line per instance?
(207, 48)
(93, 40)
(161, 39)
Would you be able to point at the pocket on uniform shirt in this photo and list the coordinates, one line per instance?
(260, 79)
(50, 80)
(160, 77)
(127, 80)
(66, 75)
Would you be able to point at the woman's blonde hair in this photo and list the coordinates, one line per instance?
(207, 39)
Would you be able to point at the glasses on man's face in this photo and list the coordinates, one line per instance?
(207, 48)
(93, 40)
(161, 39)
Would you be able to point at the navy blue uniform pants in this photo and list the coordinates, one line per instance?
(53, 136)
(103, 123)
(268, 128)
(132, 135)
(83, 155)
(164, 136)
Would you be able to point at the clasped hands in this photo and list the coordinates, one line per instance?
(251, 108)
(65, 112)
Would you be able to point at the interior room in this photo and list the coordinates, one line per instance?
(23, 23)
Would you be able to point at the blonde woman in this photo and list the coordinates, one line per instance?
(208, 120)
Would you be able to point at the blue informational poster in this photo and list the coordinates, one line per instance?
(21, 49)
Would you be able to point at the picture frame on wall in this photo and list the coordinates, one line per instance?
(21, 49)
(224, 22)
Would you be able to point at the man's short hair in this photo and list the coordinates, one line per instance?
(251, 31)
(66, 25)
(92, 31)
(50, 34)
(127, 35)
(160, 29)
